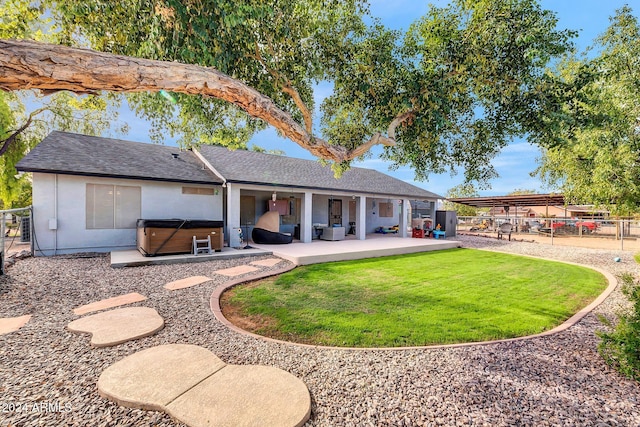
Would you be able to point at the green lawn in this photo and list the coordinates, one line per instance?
(453, 296)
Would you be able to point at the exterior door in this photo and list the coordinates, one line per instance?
(247, 210)
(335, 212)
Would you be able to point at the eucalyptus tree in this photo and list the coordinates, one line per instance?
(447, 94)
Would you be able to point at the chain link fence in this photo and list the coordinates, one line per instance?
(623, 234)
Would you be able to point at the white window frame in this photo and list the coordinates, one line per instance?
(112, 206)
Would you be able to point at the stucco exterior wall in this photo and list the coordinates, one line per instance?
(59, 210)
(374, 220)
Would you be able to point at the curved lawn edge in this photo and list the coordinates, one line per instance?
(214, 304)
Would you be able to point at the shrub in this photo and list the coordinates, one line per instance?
(620, 347)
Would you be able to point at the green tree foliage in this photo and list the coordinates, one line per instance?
(21, 130)
(449, 93)
(462, 190)
(598, 161)
(620, 346)
(521, 191)
(11, 188)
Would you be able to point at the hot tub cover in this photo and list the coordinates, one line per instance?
(179, 223)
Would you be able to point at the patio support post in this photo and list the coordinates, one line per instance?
(361, 218)
(233, 209)
(306, 226)
(404, 210)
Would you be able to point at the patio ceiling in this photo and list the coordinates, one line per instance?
(515, 201)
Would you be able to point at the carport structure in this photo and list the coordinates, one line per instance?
(514, 201)
(522, 200)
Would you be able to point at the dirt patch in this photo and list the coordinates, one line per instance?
(259, 324)
(235, 313)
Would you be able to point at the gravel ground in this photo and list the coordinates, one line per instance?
(48, 375)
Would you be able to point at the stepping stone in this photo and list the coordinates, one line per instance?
(153, 378)
(237, 271)
(114, 327)
(109, 303)
(186, 283)
(270, 262)
(12, 324)
(193, 385)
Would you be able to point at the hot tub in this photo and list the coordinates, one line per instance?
(175, 236)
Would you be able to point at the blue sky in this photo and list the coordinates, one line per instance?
(517, 160)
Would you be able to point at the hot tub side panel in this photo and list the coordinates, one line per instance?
(164, 239)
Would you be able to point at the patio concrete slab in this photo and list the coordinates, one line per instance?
(186, 282)
(109, 303)
(12, 324)
(133, 258)
(194, 386)
(375, 245)
(114, 327)
(237, 271)
(270, 262)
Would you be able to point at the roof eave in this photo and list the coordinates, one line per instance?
(329, 189)
(105, 175)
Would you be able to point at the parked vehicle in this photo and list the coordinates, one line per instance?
(558, 227)
(534, 225)
(587, 226)
(564, 227)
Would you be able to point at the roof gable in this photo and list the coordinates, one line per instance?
(75, 154)
(250, 167)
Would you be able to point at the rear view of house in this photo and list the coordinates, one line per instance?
(89, 192)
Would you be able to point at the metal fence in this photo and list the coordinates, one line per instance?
(16, 224)
(621, 234)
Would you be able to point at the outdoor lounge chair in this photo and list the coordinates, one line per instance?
(267, 230)
(505, 229)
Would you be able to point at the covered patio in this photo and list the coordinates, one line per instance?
(375, 245)
(318, 251)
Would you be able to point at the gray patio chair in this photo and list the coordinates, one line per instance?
(505, 229)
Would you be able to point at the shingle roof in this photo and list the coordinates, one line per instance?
(74, 154)
(258, 168)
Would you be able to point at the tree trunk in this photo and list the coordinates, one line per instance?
(26, 64)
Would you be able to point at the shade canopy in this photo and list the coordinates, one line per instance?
(515, 201)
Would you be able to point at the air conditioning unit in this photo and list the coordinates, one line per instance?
(25, 229)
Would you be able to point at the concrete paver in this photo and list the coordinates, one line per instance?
(109, 303)
(245, 396)
(153, 378)
(114, 327)
(194, 386)
(237, 271)
(12, 324)
(186, 282)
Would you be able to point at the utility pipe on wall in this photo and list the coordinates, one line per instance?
(55, 214)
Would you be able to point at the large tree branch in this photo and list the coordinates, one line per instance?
(6, 143)
(306, 114)
(407, 115)
(27, 64)
(377, 139)
(287, 88)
